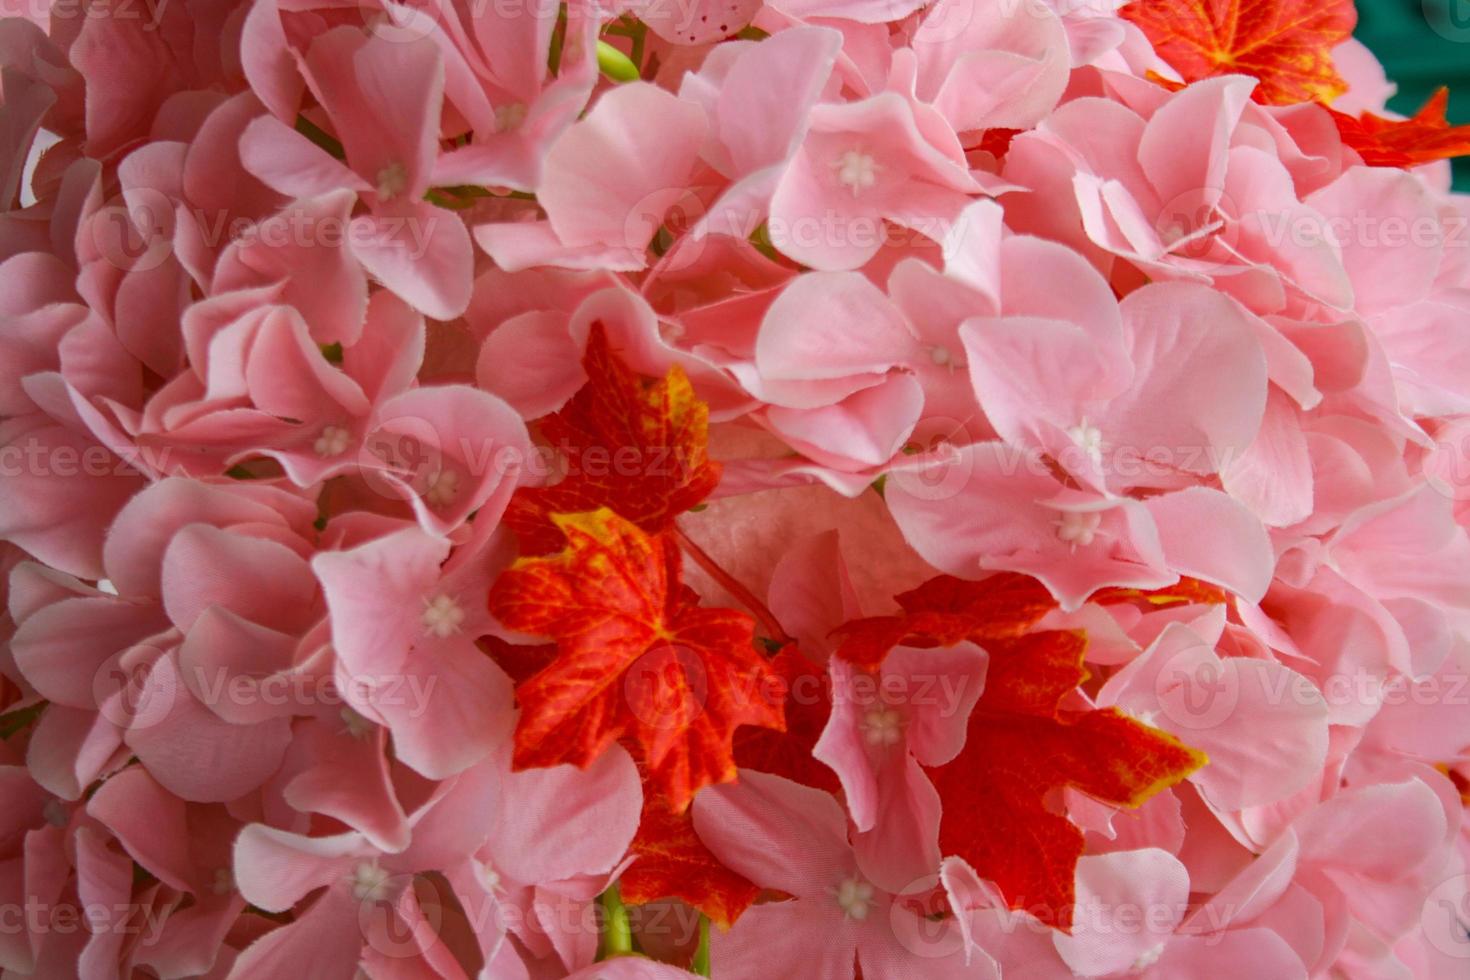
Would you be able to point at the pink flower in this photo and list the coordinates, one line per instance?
(883, 728)
(794, 839)
(389, 133)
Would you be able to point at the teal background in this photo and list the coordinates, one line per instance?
(1423, 44)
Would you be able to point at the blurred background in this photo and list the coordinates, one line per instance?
(1423, 44)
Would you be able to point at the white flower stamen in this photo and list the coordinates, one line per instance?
(367, 881)
(883, 726)
(333, 441)
(857, 171)
(855, 898)
(1089, 439)
(442, 616)
(443, 488)
(392, 181)
(1078, 527)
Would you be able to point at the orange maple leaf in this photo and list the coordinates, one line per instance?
(635, 658)
(1022, 748)
(629, 443)
(1186, 590)
(1286, 44)
(674, 863)
(1425, 137)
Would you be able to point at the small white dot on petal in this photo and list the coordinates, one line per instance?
(1078, 528)
(855, 898)
(367, 880)
(392, 181)
(883, 726)
(856, 170)
(1089, 439)
(443, 488)
(442, 616)
(333, 441)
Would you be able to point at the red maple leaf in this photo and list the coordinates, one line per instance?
(674, 863)
(808, 706)
(630, 443)
(635, 658)
(1425, 137)
(945, 610)
(1022, 748)
(1286, 44)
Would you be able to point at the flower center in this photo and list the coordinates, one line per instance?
(1079, 527)
(857, 171)
(883, 726)
(443, 488)
(333, 441)
(367, 881)
(224, 881)
(1087, 438)
(855, 898)
(443, 616)
(392, 181)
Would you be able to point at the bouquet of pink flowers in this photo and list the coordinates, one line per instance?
(741, 488)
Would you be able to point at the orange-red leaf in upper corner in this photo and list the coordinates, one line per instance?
(1024, 745)
(633, 444)
(635, 659)
(1286, 44)
(1425, 137)
(674, 863)
(945, 610)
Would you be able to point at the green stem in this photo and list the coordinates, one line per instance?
(640, 32)
(17, 720)
(558, 41)
(320, 137)
(700, 965)
(617, 932)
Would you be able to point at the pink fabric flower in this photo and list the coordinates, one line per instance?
(838, 918)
